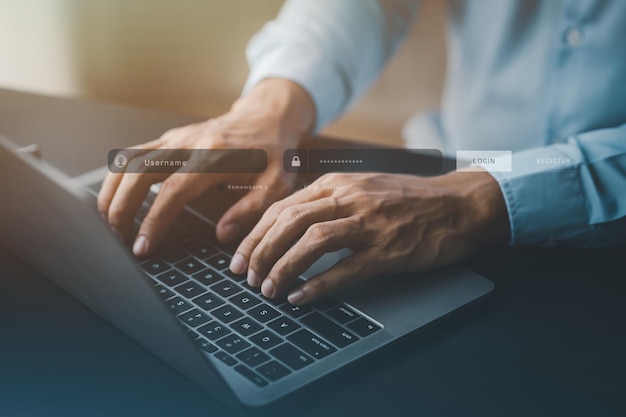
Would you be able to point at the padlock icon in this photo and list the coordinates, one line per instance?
(295, 161)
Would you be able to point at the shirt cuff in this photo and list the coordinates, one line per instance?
(544, 197)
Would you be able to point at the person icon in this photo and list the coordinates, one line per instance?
(120, 161)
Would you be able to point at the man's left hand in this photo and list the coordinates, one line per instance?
(392, 223)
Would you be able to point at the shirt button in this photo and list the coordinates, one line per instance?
(574, 37)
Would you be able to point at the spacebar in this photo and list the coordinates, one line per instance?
(334, 333)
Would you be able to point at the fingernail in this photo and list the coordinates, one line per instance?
(295, 297)
(231, 232)
(268, 288)
(104, 216)
(237, 264)
(140, 247)
(253, 279)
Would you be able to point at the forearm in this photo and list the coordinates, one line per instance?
(333, 49)
(284, 102)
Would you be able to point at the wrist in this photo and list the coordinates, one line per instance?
(483, 211)
(282, 101)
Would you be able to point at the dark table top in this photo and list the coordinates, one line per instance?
(550, 340)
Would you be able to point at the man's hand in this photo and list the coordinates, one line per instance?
(392, 223)
(274, 116)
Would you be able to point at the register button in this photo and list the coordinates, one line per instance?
(492, 161)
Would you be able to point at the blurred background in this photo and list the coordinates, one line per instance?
(188, 57)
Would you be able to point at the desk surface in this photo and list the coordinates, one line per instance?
(551, 340)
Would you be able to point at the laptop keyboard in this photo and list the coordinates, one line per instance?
(262, 339)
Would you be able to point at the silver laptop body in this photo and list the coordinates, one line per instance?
(50, 221)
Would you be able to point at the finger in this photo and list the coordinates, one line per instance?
(175, 193)
(304, 220)
(112, 181)
(354, 268)
(250, 242)
(130, 194)
(107, 192)
(241, 217)
(319, 239)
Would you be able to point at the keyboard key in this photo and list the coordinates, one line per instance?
(163, 292)
(208, 301)
(219, 261)
(203, 250)
(363, 327)
(207, 277)
(205, 345)
(343, 314)
(246, 326)
(276, 302)
(190, 289)
(251, 376)
(263, 313)
(171, 278)
(295, 311)
(245, 300)
(190, 265)
(226, 358)
(283, 326)
(311, 344)
(226, 288)
(329, 330)
(178, 305)
(273, 371)
(194, 318)
(326, 304)
(213, 330)
(226, 314)
(235, 277)
(233, 344)
(155, 266)
(253, 290)
(266, 339)
(291, 356)
(253, 357)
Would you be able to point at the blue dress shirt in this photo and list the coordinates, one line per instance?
(544, 79)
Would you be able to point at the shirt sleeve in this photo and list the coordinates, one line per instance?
(569, 194)
(334, 49)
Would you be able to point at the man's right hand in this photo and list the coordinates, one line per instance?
(274, 116)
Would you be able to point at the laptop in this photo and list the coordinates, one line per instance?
(184, 304)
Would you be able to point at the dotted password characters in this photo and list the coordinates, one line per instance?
(341, 161)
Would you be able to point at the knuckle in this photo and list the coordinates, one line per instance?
(281, 271)
(118, 214)
(258, 260)
(291, 214)
(246, 247)
(353, 266)
(275, 209)
(171, 188)
(319, 234)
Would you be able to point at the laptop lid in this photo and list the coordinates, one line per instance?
(47, 219)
